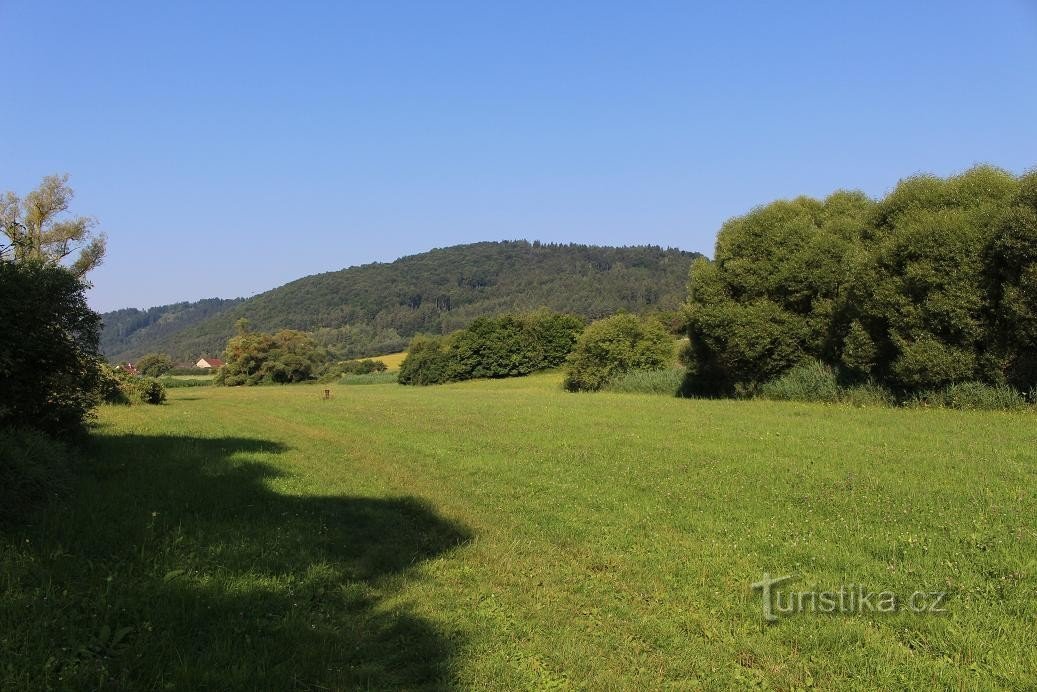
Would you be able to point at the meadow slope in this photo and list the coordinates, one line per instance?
(507, 535)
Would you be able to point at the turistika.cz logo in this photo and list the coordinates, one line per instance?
(850, 599)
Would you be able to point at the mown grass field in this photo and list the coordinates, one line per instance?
(508, 535)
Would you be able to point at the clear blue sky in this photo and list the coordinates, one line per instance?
(227, 148)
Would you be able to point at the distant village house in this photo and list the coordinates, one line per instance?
(209, 363)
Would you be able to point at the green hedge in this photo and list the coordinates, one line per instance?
(492, 347)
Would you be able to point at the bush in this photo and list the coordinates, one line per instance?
(972, 396)
(669, 382)
(154, 365)
(120, 387)
(615, 345)
(49, 361)
(504, 346)
(182, 382)
(809, 381)
(933, 285)
(257, 358)
(352, 367)
(33, 468)
(428, 362)
(189, 370)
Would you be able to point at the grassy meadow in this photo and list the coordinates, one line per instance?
(508, 535)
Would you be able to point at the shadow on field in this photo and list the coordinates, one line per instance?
(227, 584)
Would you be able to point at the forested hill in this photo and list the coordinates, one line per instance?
(131, 331)
(376, 308)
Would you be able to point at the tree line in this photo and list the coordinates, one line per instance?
(378, 308)
(931, 286)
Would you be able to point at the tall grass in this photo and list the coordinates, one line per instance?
(668, 382)
(812, 381)
(816, 382)
(972, 396)
(369, 378)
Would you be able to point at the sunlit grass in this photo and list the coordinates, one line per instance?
(392, 360)
(509, 535)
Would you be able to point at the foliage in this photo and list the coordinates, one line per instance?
(378, 308)
(188, 371)
(428, 361)
(34, 467)
(612, 346)
(931, 286)
(669, 382)
(37, 230)
(121, 387)
(173, 382)
(258, 358)
(128, 333)
(49, 364)
(154, 365)
(334, 371)
(504, 346)
(370, 378)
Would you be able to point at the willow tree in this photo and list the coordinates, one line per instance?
(39, 229)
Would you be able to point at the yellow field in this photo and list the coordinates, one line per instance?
(392, 360)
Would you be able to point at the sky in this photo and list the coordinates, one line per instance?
(230, 147)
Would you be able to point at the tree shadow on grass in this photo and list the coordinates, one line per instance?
(181, 568)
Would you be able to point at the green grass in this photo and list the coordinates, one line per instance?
(386, 377)
(507, 535)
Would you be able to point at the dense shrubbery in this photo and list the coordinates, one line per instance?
(932, 287)
(188, 370)
(155, 365)
(120, 387)
(336, 371)
(170, 382)
(49, 362)
(370, 378)
(258, 358)
(505, 346)
(610, 347)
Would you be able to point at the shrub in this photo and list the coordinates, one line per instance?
(257, 358)
(668, 382)
(49, 361)
(154, 365)
(503, 346)
(428, 361)
(33, 468)
(615, 345)
(809, 381)
(352, 367)
(188, 370)
(183, 382)
(933, 285)
(119, 387)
